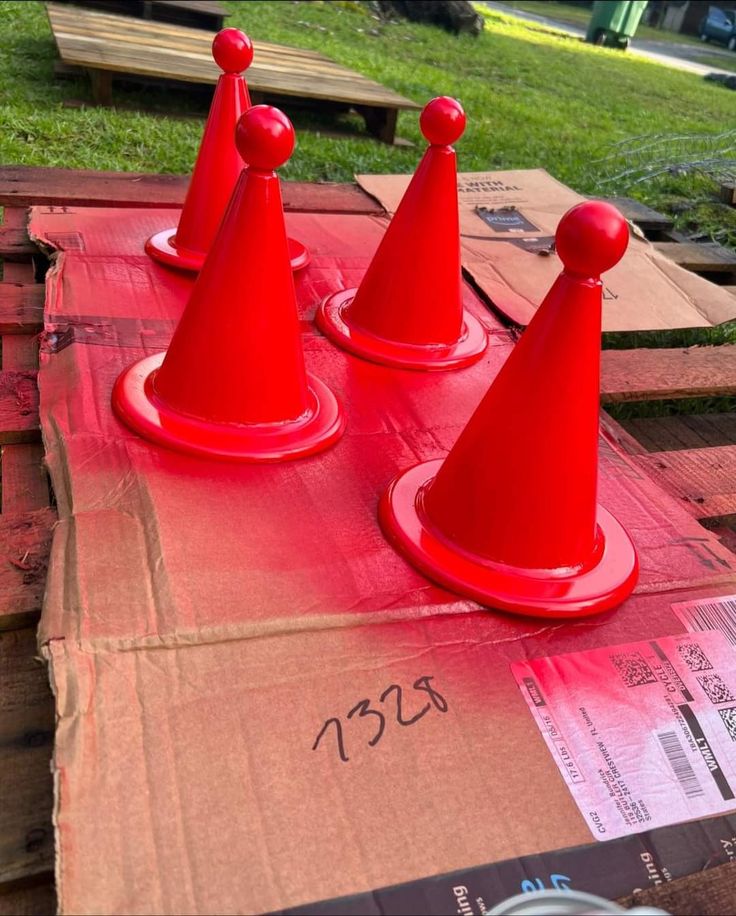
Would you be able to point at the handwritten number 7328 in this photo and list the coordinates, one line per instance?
(363, 710)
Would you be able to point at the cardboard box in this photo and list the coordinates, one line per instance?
(240, 659)
(507, 225)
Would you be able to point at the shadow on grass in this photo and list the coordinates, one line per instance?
(192, 102)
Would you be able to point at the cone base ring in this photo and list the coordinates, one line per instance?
(590, 591)
(333, 322)
(136, 404)
(162, 248)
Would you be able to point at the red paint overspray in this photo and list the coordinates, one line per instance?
(510, 517)
(233, 382)
(408, 310)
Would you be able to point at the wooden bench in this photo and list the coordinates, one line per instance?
(201, 14)
(105, 45)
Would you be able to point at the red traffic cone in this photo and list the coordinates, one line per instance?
(232, 383)
(218, 165)
(510, 518)
(408, 311)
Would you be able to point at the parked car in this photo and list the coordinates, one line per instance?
(719, 25)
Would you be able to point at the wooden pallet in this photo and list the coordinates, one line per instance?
(26, 515)
(26, 520)
(691, 455)
(699, 471)
(200, 14)
(709, 259)
(104, 44)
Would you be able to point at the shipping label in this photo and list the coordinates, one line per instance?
(644, 734)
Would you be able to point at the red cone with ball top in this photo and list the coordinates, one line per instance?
(408, 311)
(232, 383)
(510, 517)
(218, 165)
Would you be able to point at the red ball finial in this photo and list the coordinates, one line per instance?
(232, 50)
(264, 137)
(442, 121)
(591, 238)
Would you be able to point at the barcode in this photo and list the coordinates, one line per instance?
(680, 764)
(719, 614)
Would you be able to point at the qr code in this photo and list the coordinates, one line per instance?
(729, 720)
(634, 670)
(716, 689)
(694, 657)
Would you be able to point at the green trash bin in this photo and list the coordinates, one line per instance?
(614, 22)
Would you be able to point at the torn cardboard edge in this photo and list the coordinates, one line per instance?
(216, 756)
(507, 222)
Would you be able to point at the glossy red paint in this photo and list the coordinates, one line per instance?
(232, 50)
(408, 310)
(232, 383)
(442, 121)
(217, 168)
(510, 517)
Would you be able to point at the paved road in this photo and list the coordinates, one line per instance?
(679, 56)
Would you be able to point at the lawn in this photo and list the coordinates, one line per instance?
(691, 48)
(533, 98)
(573, 14)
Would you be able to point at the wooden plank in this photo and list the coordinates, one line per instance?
(27, 186)
(101, 86)
(18, 271)
(727, 194)
(15, 244)
(647, 219)
(662, 434)
(25, 484)
(618, 434)
(25, 544)
(195, 55)
(381, 122)
(26, 744)
(182, 36)
(699, 257)
(703, 479)
(170, 65)
(686, 431)
(722, 427)
(134, 47)
(21, 308)
(207, 10)
(647, 435)
(201, 6)
(19, 353)
(18, 405)
(24, 899)
(654, 374)
(15, 217)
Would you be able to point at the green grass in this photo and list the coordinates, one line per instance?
(691, 48)
(568, 13)
(630, 410)
(572, 14)
(533, 98)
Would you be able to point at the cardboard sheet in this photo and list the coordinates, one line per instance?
(507, 223)
(213, 629)
(307, 545)
(217, 800)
